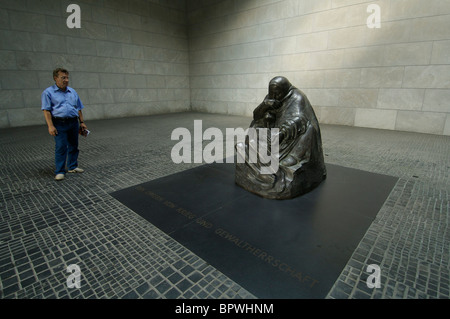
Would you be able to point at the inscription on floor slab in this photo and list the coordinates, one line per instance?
(275, 249)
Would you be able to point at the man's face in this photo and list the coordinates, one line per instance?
(62, 80)
(276, 93)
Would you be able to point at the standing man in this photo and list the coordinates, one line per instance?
(62, 111)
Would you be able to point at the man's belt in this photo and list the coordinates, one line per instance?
(64, 119)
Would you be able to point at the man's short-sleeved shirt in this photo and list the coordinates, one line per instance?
(61, 103)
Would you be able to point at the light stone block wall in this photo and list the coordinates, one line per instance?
(129, 58)
(141, 57)
(396, 77)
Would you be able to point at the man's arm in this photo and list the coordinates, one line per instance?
(80, 117)
(46, 107)
(51, 128)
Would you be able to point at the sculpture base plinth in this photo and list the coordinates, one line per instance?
(279, 185)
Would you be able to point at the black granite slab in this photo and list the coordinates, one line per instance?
(273, 248)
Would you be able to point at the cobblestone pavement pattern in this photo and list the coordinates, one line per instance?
(47, 225)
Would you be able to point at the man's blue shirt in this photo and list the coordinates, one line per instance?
(60, 103)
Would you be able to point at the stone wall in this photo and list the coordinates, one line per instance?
(395, 77)
(141, 57)
(129, 58)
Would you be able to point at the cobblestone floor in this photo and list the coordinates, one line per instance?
(47, 225)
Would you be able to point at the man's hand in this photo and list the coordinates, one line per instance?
(83, 127)
(52, 130)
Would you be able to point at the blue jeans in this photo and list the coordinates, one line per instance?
(66, 145)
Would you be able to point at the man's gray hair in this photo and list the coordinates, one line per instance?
(57, 70)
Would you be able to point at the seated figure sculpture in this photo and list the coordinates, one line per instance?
(299, 152)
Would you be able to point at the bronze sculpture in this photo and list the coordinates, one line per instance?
(289, 118)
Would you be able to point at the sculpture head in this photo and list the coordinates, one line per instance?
(279, 87)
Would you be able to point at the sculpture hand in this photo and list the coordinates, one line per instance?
(271, 103)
